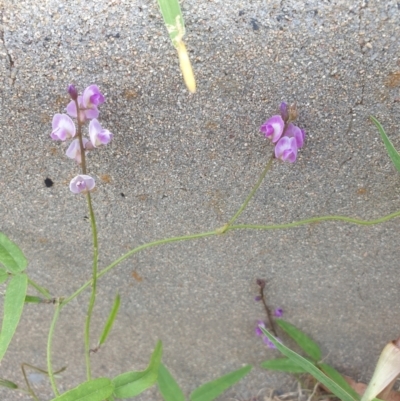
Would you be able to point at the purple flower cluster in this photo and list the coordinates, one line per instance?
(286, 136)
(83, 108)
(261, 324)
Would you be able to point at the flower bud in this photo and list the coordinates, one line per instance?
(283, 109)
(293, 113)
(72, 92)
(260, 282)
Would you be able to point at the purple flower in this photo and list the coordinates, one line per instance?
(63, 127)
(92, 96)
(88, 102)
(81, 184)
(74, 150)
(268, 342)
(286, 149)
(283, 108)
(292, 131)
(98, 135)
(258, 332)
(278, 312)
(273, 128)
(72, 92)
(258, 298)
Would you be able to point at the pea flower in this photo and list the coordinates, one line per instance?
(278, 312)
(292, 131)
(63, 127)
(286, 136)
(273, 128)
(286, 149)
(98, 135)
(74, 149)
(259, 333)
(87, 103)
(81, 184)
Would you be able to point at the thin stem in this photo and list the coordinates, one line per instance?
(30, 391)
(268, 311)
(94, 285)
(253, 191)
(42, 290)
(49, 341)
(234, 227)
(83, 156)
(135, 250)
(316, 220)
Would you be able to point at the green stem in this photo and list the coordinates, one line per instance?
(94, 285)
(234, 227)
(138, 249)
(49, 341)
(253, 191)
(316, 220)
(42, 290)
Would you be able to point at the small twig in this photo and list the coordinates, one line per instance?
(261, 284)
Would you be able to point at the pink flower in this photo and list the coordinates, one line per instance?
(273, 128)
(81, 184)
(292, 131)
(98, 135)
(74, 149)
(87, 103)
(63, 127)
(286, 149)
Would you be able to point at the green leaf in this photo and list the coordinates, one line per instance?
(13, 304)
(8, 384)
(33, 299)
(305, 343)
(11, 257)
(213, 389)
(167, 385)
(130, 384)
(173, 19)
(338, 379)
(110, 320)
(3, 276)
(393, 154)
(93, 390)
(283, 365)
(311, 368)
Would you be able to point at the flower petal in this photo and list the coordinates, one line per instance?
(292, 131)
(81, 184)
(286, 149)
(273, 128)
(74, 150)
(63, 127)
(99, 135)
(92, 96)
